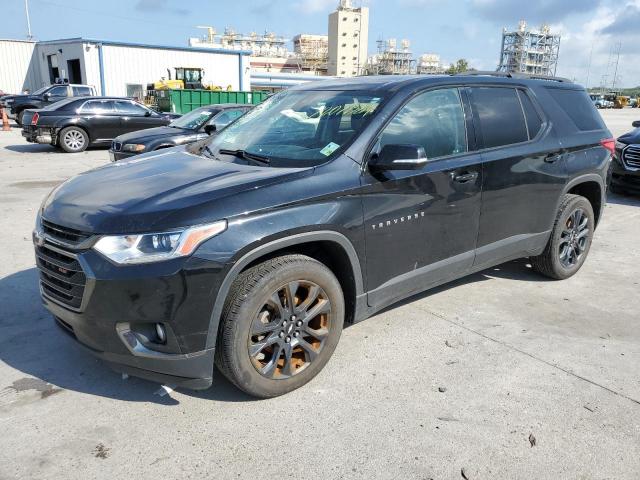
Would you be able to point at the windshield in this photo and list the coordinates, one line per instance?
(194, 119)
(299, 128)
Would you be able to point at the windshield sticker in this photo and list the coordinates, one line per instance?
(329, 149)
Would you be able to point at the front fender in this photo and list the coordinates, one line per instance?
(254, 252)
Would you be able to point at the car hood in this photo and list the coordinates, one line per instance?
(152, 133)
(631, 137)
(159, 190)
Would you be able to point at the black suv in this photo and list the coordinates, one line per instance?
(324, 204)
(48, 95)
(625, 169)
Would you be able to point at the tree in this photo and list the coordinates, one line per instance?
(460, 66)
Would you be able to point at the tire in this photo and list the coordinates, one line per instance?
(73, 140)
(258, 330)
(19, 117)
(570, 239)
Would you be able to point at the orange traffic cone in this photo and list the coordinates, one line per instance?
(5, 121)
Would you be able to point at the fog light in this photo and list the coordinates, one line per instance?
(161, 333)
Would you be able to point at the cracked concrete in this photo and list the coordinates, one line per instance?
(457, 379)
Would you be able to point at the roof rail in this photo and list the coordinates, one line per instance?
(524, 76)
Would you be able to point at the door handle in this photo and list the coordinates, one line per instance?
(552, 157)
(464, 177)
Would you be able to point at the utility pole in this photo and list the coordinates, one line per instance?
(26, 9)
(589, 67)
(615, 74)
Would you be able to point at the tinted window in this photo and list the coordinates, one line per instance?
(534, 122)
(434, 120)
(500, 114)
(228, 116)
(58, 92)
(578, 106)
(81, 91)
(130, 108)
(98, 107)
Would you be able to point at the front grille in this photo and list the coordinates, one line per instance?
(631, 156)
(116, 146)
(67, 235)
(61, 276)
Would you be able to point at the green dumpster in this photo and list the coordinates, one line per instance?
(183, 101)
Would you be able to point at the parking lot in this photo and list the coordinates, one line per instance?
(503, 374)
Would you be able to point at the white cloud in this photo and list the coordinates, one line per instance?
(315, 6)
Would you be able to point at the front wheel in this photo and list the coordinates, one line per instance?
(73, 140)
(281, 323)
(570, 240)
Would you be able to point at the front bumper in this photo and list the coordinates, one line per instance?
(115, 156)
(623, 178)
(120, 304)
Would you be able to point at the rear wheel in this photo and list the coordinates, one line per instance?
(19, 117)
(281, 323)
(73, 140)
(570, 239)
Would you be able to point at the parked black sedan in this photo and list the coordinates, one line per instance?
(78, 123)
(193, 126)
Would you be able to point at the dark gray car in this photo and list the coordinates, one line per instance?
(195, 125)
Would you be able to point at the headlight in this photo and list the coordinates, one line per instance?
(133, 147)
(620, 146)
(155, 247)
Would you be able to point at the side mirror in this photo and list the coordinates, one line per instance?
(210, 128)
(399, 157)
(46, 96)
(147, 113)
(636, 124)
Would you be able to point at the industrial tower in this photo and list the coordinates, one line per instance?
(529, 51)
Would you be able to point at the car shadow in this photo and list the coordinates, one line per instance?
(32, 343)
(519, 270)
(619, 199)
(32, 148)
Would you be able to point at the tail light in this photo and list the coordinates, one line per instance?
(609, 144)
(34, 120)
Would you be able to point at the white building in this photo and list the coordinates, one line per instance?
(114, 68)
(348, 39)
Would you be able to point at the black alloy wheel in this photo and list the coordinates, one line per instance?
(281, 322)
(570, 239)
(290, 330)
(574, 238)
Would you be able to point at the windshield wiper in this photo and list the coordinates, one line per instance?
(246, 156)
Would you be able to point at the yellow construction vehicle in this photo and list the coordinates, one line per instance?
(621, 101)
(184, 78)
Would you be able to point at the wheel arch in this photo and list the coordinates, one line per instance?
(330, 248)
(592, 187)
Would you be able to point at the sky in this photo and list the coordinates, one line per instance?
(592, 30)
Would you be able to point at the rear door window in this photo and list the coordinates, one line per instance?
(500, 115)
(433, 120)
(98, 107)
(579, 108)
(130, 108)
(81, 91)
(534, 122)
